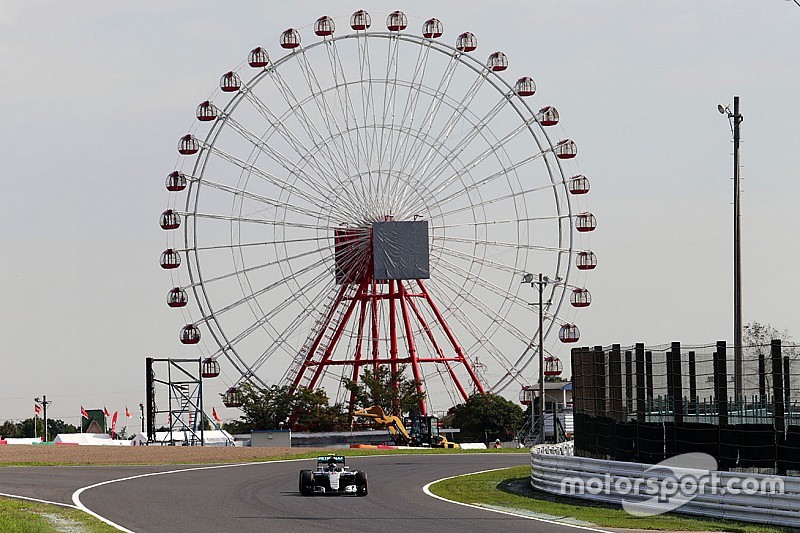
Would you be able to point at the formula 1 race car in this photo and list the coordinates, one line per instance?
(332, 477)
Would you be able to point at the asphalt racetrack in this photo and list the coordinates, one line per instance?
(264, 497)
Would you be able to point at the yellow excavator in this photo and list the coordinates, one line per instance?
(418, 430)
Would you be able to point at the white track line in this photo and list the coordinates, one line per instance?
(426, 490)
(36, 500)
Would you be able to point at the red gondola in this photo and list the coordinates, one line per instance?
(230, 82)
(177, 297)
(176, 181)
(324, 26)
(190, 334)
(170, 259)
(432, 29)
(188, 145)
(209, 368)
(525, 86)
(360, 20)
(466, 42)
(586, 261)
(585, 222)
(232, 398)
(206, 111)
(569, 333)
(552, 366)
(566, 149)
(290, 38)
(396, 21)
(547, 116)
(578, 184)
(170, 220)
(526, 395)
(497, 62)
(258, 57)
(580, 298)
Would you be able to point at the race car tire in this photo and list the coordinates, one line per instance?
(306, 482)
(361, 484)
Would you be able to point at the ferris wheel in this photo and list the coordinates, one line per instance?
(373, 199)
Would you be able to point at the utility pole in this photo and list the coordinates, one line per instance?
(44, 403)
(737, 256)
(735, 118)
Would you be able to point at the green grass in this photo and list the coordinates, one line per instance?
(510, 488)
(301, 455)
(21, 516)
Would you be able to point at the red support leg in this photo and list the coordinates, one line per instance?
(438, 349)
(412, 349)
(451, 337)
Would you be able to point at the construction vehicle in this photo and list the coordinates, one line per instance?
(417, 430)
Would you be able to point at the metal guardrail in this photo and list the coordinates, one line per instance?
(550, 464)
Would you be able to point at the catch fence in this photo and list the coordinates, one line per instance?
(645, 404)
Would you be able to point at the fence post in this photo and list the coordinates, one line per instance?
(615, 382)
(787, 390)
(721, 382)
(779, 413)
(599, 381)
(628, 383)
(692, 384)
(648, 364)
(676, 384)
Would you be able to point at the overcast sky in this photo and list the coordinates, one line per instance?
(95, 95)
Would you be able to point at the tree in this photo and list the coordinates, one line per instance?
(755, 334)
(57, 426)
(9, 430)
(275, 406)
(394, 392)
(487, 416)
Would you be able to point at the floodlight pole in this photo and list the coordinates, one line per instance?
(737, 256)
(540, 286)
(44, 403)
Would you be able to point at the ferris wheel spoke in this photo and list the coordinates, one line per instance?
(335, 156)
(505, 197)
(397, 158)
(432, 111)
(368, 105)
(487, 262)
(501, 244)
(511, 298)
(389, 105)
(482, 183)
(250, 297)
(237, 272)
(292, 328)
(476, 161)
(279, 126)
(344, 149)
(260, 221)
(236, 192)
(280, 339)
(305, 121)
(294, 168)
(268, 177)
(456, 116)
(348, 107)
(481, 340)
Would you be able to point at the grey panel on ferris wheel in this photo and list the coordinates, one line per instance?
(400, 249)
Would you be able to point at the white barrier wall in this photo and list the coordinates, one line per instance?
(551, 464)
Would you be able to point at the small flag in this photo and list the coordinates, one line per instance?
(84, 414)
(127, 413)
(38, 409)
(114, 423)
(215, 415)
(105, 411)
